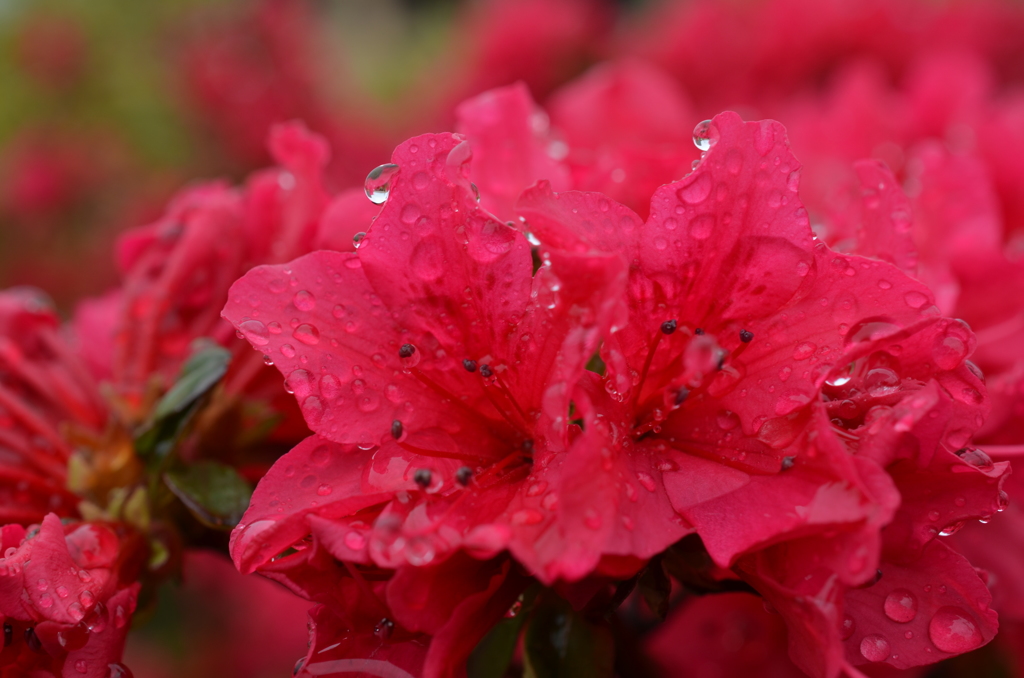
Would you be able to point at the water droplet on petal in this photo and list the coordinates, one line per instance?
(255, 332)
(384, 628)
(952, 528)
(954, 630)
(304, 301)
(704, 135)
(874, 648)
(307, 334)
(378, 183)
(355, 540)
(901, 606)
(915, 299)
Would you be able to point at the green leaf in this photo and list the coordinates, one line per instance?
(561, 643)
(200, 373)
(491, 657)
(215, 493)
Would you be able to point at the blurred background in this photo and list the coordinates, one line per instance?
(107, 108)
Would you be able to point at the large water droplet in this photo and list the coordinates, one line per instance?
(703, 135)
(976, 458)
(874, 648)
(901, 606)
(378, 183)
(696, 190)
(952, 528)
(255, 332)
(304, 301)
(954, 630)
(307, 334)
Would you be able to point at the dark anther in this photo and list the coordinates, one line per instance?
(396, 429)
(668, 327)
(486, 371)
(787, 463)
(721, 361)
(8, 635)
(298, 666)
(527, 446)
(698, 331)
(464, 475)
(470, 365)
(422, 477)
(32, 640)
(681, 395)
(406, 350)
(746, 336)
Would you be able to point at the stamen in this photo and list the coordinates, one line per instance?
(396, 429)
(422, 477)
(486, 371)
(787, 463)
(508, 394)
(470, 365)
(669, 326)
(406, 351)
(31, 420)
(464, 475)
(746, 336)
(699, 331)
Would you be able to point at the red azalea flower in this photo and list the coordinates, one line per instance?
(435, 350)
(893, 373)
(67, 594)
(42, 386)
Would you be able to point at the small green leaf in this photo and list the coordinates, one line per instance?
(491, 657)
(199, 374)
(213, 492)
(561, 643)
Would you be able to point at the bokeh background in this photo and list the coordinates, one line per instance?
(109, 107)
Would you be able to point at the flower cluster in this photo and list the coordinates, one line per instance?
(566, 387)
(715, 370)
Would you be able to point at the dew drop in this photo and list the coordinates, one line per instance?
(307, 334)
(255, 332)
(901, 606)
(378, 183)
(304, 301)
(915, 299)
(702, 135)
(384, 628)
(355, 540)
(804, 350)
(696, 190)
(874, 648)
(953, 630)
